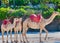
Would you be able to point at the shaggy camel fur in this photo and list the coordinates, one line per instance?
(41, 25)
(8, 27)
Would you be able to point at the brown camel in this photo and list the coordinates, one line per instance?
(8, 27)
(17, 27)
(40, 25)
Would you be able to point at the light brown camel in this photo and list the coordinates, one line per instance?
(41, 25)
(8, 27)
(17, 27)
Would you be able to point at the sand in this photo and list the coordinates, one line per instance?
(34, 38)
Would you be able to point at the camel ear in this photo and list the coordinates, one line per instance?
(20, 19)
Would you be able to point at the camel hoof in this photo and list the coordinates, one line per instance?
(15, 41)
(41, 41)
(7, 42)
(20, 41)
(26, 42)
(3, 41)
(11, 41)
(45, 38)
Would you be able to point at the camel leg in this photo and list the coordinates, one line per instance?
(46, 33)
(7, 37)
(2, 36)
(40, 34)
(14, 36)
(17, 36)
(11, 36)
(24, 35)
(20, 37)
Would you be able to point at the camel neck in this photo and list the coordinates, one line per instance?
(49, 20)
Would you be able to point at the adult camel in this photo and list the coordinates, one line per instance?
(6, 26)
(40, 25)
(17, 27)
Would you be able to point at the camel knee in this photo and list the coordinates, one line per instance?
(23, 34)
(46, 32)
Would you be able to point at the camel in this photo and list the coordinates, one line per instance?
(8, 27)
(17, 27)
(40, 25)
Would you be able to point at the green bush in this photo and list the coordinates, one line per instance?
(21, 11)
(47, 13)
(29, 12)
(25, 7)
(3, 13)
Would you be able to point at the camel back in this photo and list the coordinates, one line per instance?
(35, 18)
(6, 21)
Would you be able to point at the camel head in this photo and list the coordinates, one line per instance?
(16, 19)
(56, 13)
(21, 19)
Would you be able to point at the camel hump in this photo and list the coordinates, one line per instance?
(5, 21)
(35, 18)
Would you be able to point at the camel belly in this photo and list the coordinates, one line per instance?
(33, 25)
(18, 28)
(6, 28)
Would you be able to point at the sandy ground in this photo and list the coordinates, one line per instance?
(34, 38)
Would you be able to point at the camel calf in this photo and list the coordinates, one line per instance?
(6, 26)
(17, 27)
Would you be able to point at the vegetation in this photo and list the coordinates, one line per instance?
(27, 7)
